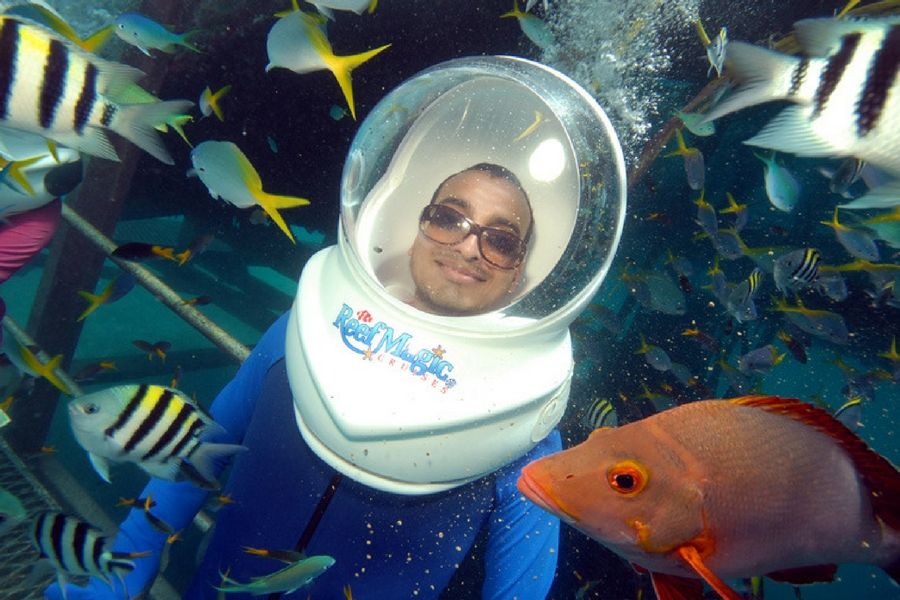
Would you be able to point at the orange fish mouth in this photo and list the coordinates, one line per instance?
(532, 490)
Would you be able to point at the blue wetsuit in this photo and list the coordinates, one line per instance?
(385, 545)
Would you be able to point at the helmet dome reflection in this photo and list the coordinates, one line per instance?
(505, 111)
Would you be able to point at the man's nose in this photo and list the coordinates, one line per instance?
(468, 247)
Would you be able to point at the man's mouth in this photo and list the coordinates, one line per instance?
(460, 274)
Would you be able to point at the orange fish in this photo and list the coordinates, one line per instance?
(727, 489)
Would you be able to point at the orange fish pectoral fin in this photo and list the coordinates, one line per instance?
(692, 557)
(673, 587)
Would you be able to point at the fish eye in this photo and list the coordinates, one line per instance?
(627, 477)
(90, 409)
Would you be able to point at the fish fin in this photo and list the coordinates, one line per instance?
(94, 42)
(878, 475)
(137, 122)
(183, 40)
(92, 140)
(214, 99)
(884, 196)
(790, 132)
(804, 575)
(48, 373)
(272, 203)
(672, 587)
(692, 557)
(764, 75)
(820, 38)
(341, 66)
(101, 466)
(203, 462)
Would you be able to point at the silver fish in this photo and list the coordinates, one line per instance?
(158, 428)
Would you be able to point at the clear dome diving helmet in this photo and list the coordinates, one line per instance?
(49, 177)
(412, 402)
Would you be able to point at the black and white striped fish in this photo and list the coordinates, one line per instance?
(846, 86)
(51, 87)
(601, 413)
(156, 427)
(77, 548)
(796, 270)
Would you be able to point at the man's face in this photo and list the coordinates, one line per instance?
(456, 280)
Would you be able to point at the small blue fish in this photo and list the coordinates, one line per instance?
(760, 360)
(781, 186)
(292, 577)
(855, 241)
(534, 29)
(655, 356)
(146, 34)
(694, 165)
(337, 112)
(706, 216)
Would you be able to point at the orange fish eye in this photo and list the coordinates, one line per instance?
(627, 477)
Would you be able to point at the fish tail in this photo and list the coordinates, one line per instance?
(94, 42)
(272, 204)
(94, 303)
(515, 12)
(341, 66)
(203, 462)
(184, 41)
(214, 102)
(763, 74)
(137, 122)
(47, 371)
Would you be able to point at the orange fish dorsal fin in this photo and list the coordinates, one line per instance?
(880, 477)
(672, 587)
(691, 556)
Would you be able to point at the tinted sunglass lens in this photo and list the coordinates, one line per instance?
(501, 248)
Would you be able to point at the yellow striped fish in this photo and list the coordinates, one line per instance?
(51, 87)
(158, 428)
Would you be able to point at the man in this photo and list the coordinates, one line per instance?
(466, 260)
(473, 236)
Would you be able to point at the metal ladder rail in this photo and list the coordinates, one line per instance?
(156, 286)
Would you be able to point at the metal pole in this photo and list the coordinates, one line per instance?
(158, 288)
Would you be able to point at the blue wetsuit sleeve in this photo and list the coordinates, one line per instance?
(177, 503)
(523, 539)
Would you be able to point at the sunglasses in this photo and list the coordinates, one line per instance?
(447, 226)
